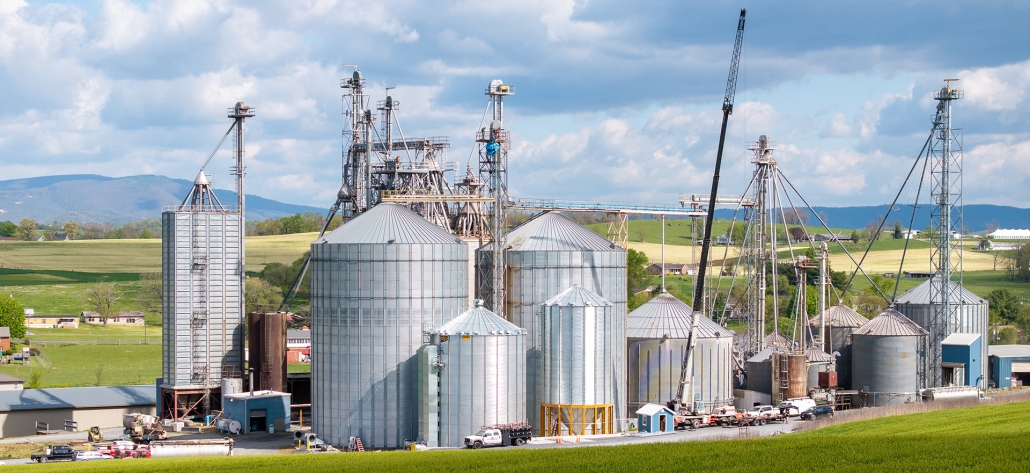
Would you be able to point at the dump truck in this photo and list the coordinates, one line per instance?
(500, 435)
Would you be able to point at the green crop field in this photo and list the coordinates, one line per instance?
(992, 438)
(75, 364)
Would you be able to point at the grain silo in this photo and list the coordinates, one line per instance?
(544, 257)
(657, 336)
(759, 371)
(480, 377)
(818, 362)
(886, 354)
(582, 369)
(971, 317)
(839, 322)
(377, 284)
(202, 336)
(266, 351)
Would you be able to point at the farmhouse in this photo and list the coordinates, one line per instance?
(671, 268)
(298, 345)
(5, 338)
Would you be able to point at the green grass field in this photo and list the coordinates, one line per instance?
(75, 364)
(992, 438)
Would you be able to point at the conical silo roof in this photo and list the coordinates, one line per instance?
(390, 223)
(890, 323)
(816, 355)
(479, 321)
(578, 296)
(665, 316)
(552, 231)
(840, 316)
(762, 356)
(777, 339)
(922, 294)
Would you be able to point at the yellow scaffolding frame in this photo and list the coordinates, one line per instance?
(555, 416)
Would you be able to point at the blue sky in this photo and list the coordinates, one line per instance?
(614, 100)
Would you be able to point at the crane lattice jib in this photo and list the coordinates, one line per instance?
(731, 82)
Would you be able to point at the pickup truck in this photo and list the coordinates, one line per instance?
(55, 453)
(500, 436)
(794, 407)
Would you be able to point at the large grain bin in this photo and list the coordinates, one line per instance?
(657, 336)
(544, 257)
(481, 368)
(582, 373)
(886, 357)
(840, 321)
(377, 283)
(971, 317)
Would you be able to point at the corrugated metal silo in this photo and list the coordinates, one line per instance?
(582, 374)
(482, 374)
(377, 284)
(886, 356)
(657, 337)
(201, 257)
(840, 322)
(972, 315)
(818, 361)
(759, 371)
(544, 257)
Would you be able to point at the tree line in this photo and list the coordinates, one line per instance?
(30, 230)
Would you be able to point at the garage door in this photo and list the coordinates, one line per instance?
(1021, 366)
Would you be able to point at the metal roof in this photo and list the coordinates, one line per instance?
(921, 294)
(577, 296)
(665, 316)
(890, 323)
(294, 334)
(553, 231)
(1009, 351)
(77, 398)
(390, 223)
(479, 321)
(764, 355)
(840, 316)
(777, 339)
(816, 355)
(5, 332)
(965, 339)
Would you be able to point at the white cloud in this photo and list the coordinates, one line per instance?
(996, 88)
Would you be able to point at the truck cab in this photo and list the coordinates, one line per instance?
(55, 453)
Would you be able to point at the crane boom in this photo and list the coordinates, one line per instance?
(686, 374)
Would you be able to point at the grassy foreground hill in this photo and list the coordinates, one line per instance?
(985, 438)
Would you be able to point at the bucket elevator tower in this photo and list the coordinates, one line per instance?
(946, 217)
(494, 143)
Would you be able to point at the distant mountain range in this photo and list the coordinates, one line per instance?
(92, 198)
(976, 217)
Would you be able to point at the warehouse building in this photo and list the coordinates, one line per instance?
(101, 406)
(1009, 365)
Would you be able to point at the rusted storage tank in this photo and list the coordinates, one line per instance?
(818, 362)
(266, 337)
(789, 375)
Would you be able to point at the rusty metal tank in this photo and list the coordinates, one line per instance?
(789, 375)
(266, 336)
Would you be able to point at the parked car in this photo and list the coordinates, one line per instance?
(91, 455)
(816, 412)
(761, 411)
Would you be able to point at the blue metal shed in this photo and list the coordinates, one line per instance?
(255, 411)
(1009, 365)
(655, 418)
(960, 360)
